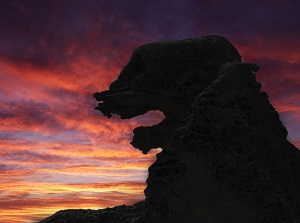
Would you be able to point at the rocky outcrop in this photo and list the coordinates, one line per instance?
(225, 156)
(118, 214)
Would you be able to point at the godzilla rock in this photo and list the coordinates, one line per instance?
(225, 156)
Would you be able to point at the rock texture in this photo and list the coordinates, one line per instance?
(225, 156)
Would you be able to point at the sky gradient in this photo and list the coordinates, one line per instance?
(57, 152)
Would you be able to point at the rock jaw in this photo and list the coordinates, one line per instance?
(165, 76)
(128, 103)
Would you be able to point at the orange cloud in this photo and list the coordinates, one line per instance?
(27, 199)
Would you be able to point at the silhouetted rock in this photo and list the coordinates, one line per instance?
(225, 156)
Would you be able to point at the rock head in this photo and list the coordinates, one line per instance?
(165, 76)
(225, 156)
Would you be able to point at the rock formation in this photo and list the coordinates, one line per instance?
(225, 156)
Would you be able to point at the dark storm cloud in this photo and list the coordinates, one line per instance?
(3, 167)
(54, 32)
(27, 115)
(34, 157)
(179, 19)
(50, 32)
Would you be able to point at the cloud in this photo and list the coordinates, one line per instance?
(3, 167)
(27, 200)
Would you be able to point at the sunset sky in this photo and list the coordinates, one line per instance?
(57, 152)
